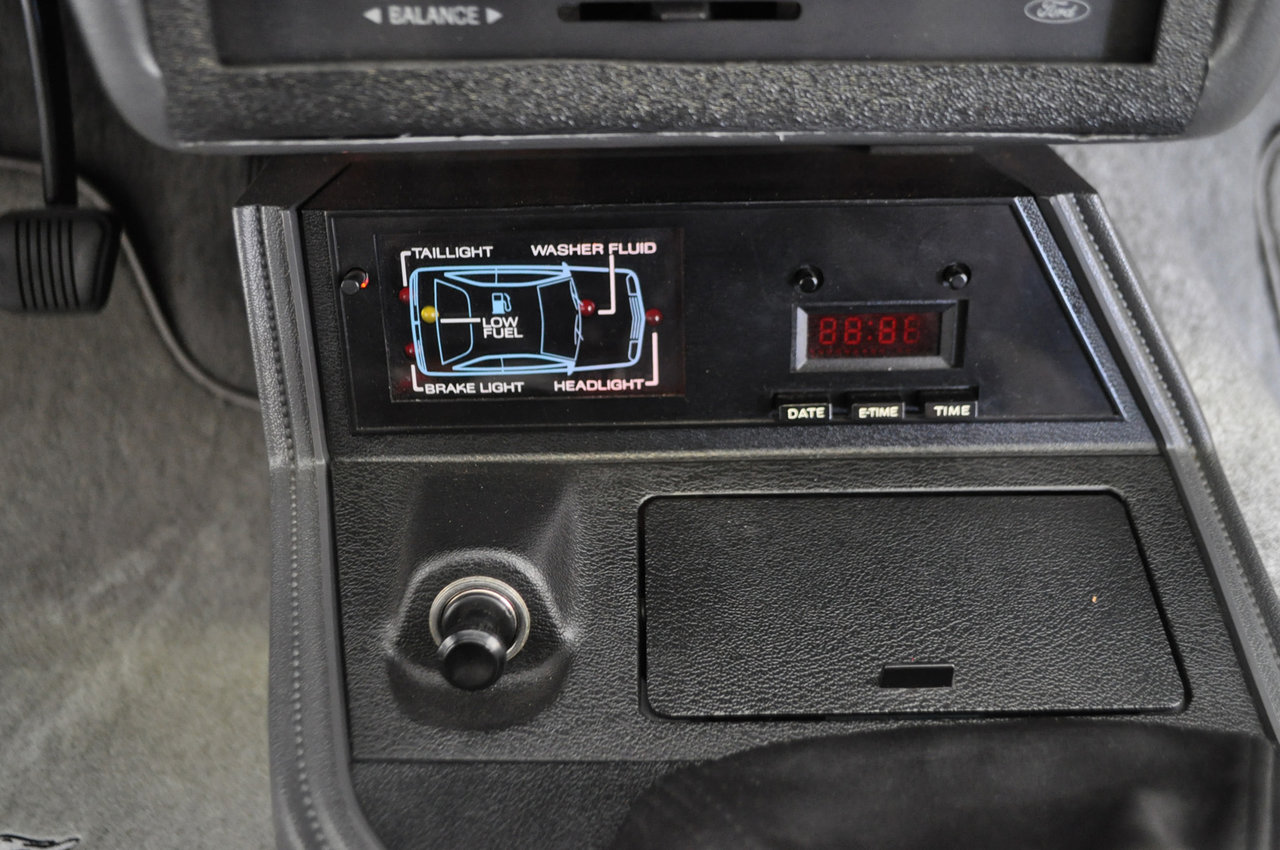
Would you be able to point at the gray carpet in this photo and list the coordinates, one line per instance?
(134, 576)
(1185, 211)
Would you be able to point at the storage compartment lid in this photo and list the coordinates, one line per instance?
(868, 604)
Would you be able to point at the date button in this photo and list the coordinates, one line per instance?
(804, 414)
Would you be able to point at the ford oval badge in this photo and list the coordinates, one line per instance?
(1057, 11)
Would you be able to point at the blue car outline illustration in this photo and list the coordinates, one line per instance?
(555, 292)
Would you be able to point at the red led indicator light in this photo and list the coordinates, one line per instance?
(411, 351)
(587, 307)
(404, 295)
(653, 318)
(364, 284)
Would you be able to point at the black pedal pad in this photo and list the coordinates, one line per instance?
(57, 260)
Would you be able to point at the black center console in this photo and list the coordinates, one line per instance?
(591, 468)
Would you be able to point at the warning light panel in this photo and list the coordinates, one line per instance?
(536, 315)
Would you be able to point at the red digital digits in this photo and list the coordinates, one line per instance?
(826, 330)
(847, 335)
(911, 329)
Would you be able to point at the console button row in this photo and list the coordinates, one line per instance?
(819, 413)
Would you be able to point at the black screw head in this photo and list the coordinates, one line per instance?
(955, 276)
(807, 279)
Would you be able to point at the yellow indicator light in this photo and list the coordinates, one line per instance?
(428, 315)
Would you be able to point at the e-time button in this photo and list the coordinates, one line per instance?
(882, 411)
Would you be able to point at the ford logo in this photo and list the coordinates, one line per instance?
(1057, 11)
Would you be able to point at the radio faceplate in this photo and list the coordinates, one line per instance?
(248, 32)
(820, 312)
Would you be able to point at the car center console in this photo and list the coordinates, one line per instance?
(592, 469)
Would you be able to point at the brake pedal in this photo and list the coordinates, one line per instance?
(60, 258)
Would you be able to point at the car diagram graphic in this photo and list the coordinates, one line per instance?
(515, 319)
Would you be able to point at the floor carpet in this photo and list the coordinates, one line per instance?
(134, 572)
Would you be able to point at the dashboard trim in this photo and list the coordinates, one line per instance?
(175, 91)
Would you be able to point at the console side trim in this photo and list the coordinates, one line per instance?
(313, 799)
(1253, 611)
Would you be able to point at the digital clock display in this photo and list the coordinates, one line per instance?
(844, 335)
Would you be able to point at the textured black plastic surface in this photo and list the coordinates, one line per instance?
(576, 520)
(581, 99)
(501, 806)
(780, 606)
(531, 680)
(1061, 786)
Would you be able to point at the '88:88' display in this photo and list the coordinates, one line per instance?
(873, 334)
